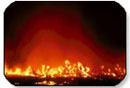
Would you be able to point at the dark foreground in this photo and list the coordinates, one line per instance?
(32, 81)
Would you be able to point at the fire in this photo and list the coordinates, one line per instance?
(68, 70)
(76, 70)
(27, 72)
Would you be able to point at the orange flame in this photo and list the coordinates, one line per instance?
(67, 70)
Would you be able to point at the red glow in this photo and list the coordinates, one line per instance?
(53, 35)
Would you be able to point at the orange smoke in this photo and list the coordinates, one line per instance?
(52, 35)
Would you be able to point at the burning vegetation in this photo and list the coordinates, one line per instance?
(40, 36)
(66, 73)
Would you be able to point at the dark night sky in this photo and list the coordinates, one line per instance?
(102, 26)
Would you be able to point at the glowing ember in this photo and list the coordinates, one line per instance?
(46, 83)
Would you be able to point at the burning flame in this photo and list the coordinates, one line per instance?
(67, 70)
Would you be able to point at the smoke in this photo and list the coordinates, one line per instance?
(52, 35)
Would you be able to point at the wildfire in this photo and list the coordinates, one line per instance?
(77, 70)
(68, 70)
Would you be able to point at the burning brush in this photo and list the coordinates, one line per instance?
(67, 74)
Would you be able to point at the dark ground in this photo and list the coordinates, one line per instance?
(30, 81)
